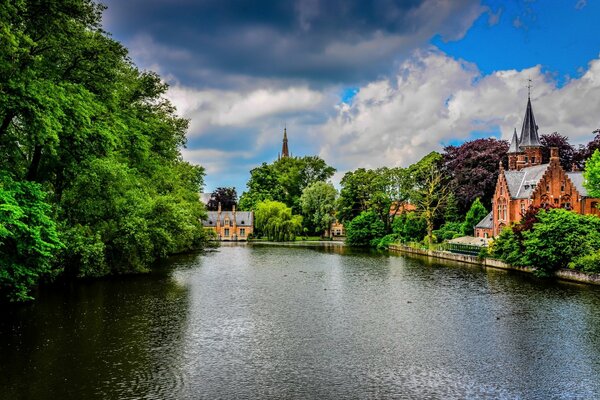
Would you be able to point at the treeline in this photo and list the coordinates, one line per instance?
(92, 181)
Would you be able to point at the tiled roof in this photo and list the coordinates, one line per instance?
(514, 144)
(242, 218)
(487, 222)
(521, 184)
(577, 179)
(529, 131)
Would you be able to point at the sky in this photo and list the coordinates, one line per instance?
(362, 84)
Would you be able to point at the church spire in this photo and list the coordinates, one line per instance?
(514, 144)
(529, 131)
(284, 149)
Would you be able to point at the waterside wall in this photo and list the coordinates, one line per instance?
(564, 274)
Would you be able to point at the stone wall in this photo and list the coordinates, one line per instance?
(565, 274)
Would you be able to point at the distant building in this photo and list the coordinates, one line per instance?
(528, 182)
(230, 226)
(337, 231)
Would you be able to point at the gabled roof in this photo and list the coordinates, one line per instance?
(521, 184)
(487, 222)
(242, 218)
(514, 144)
(529, 131)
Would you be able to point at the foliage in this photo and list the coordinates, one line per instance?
(473, 168)
(451, 211)
(409, 227)
(585, 152)
(592, 174)
(589, 263)
(98, 136)
(28, 238)
(274, 220)
(449, 230)
(558, 238)
(475, 214)
(226, 196)
(566, 151)
(284, 180)
(430, 197)
(318, 205)
(364, 230)
(384, 242)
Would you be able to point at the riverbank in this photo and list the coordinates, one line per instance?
(563, 274)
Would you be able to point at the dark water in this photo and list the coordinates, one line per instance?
(293, 322)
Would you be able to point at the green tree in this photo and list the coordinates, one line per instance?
(410, 227)
(430, 196)
(592, 174)
(275, 220)
(365, 230)
(28, 238)
(475, 214)
(318, 205)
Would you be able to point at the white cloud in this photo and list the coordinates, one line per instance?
(434, 98)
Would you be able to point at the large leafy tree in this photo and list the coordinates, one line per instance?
(98, 136)
(592, 174)
(226, 196)
(364, 230)
(566, 151)
(318, 206)
(284, 180)
(275, 220)
(473, 168)
(475, 214)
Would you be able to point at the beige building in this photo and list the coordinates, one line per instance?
(230, 226)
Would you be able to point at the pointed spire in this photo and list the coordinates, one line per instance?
(284, 149)
(529, 132)
(514, 144)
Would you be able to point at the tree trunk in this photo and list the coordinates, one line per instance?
(35, 163)
(6, 122)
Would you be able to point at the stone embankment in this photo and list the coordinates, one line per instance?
(564, 274)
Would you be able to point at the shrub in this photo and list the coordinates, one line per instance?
(363, 229)
(589, 263)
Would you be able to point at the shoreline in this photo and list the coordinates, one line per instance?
(562, 274)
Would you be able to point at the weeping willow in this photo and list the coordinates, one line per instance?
(275, 221)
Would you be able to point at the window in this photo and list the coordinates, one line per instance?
(532, 160)
(562, 187)
(547, 188)
(501, 190)
(242, 232)
(226, 231)
(566, 206)
(485, 235)
(230, 223)
(523, 208)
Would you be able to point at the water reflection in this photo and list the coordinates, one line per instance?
(301, 321)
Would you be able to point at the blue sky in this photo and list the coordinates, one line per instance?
(362, 84)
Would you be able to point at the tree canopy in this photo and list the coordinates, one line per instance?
(94, 142)
(318, 206)
(226, 196)
(275, 220)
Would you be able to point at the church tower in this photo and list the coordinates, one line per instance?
(284, 148)
(525, 151)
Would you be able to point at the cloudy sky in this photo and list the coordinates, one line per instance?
(362, 83)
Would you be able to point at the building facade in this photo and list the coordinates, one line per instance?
(230, 226)
(528, 182)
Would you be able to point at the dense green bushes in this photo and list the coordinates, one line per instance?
(556, 239)
(365, 230)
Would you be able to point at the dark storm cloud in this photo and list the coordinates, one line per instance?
(223, 43)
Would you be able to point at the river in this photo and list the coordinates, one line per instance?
(266, 321)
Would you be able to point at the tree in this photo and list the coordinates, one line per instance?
(585, 152)
(227, 197)
(275, 220)
(475, 214)
(364, 230)
(451, 212)
(318, 205)
(284, 180)
(355, 194)
(28, 238)
(430, 197)
(592, 174)
(409, 227)
(566, 152)
(473, 168)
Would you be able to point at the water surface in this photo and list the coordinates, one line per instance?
(261, 321)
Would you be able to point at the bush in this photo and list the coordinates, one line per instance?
(384, 242)
(449, 230)
(589, 263)
(409, 227)
(361, 231)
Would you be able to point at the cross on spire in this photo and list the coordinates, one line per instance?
(528, 88)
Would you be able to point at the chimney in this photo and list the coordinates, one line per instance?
(554, 159)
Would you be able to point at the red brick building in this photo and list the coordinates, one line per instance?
(528, 182)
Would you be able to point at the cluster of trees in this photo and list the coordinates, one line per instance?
(92, 180)
(291, 196)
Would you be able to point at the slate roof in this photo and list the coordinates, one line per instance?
(242, 218)
(522, 183)
(529, 131)
(514, 144)
(487, 222)
(577, 179)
